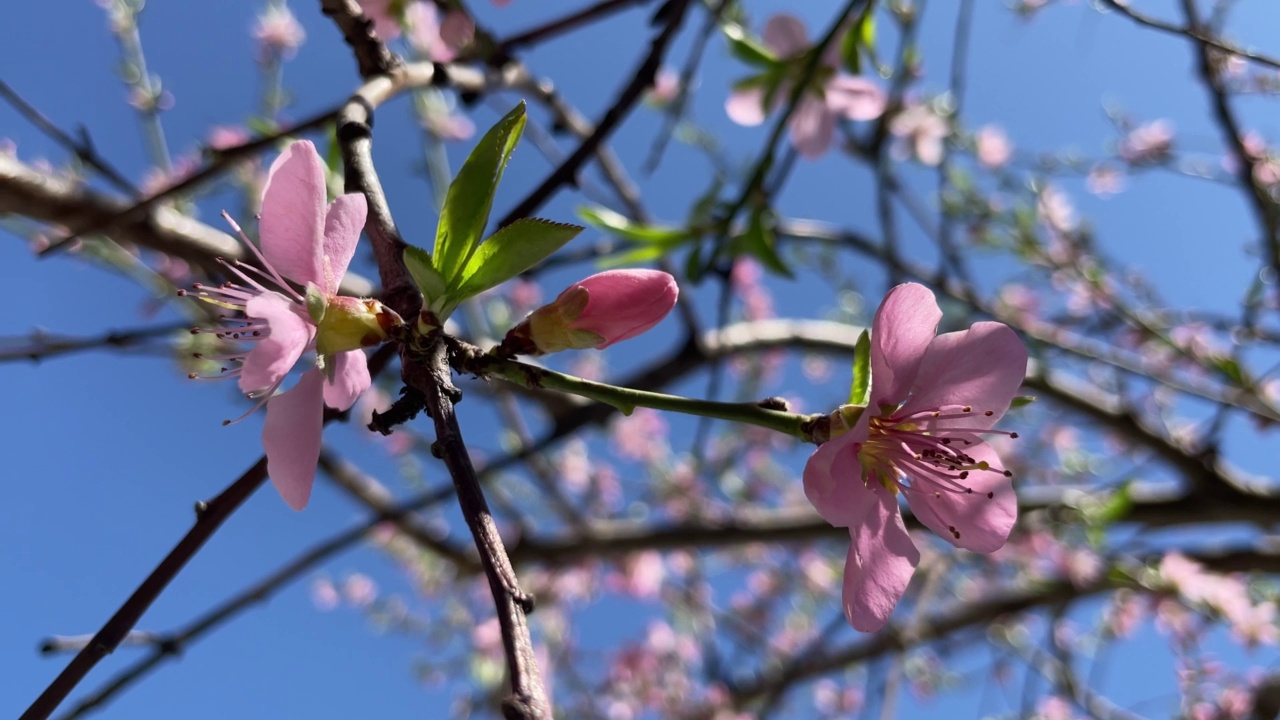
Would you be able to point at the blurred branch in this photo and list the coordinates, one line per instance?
(560, 25)
(1192, 32)
(83, 148)
(671, 14)
(41, 345)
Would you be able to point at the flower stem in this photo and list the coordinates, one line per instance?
(626, 400)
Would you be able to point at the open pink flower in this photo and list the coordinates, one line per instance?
(932, 398)
(813, 124)
(310, 242)
(597, 312)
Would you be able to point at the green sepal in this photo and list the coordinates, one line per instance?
(420, 267)
(1022, 401)
(316, 303)
(860, 388)
(469, 200)
(509, 252)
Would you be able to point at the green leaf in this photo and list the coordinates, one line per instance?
(424, 273)
(746, 48)
(1115, 508)
(1230, 368)
(509, 252)
(617, 224)
(760, 241)
(860, 389)
(1022, 401)
(470, 197)
(850, 55)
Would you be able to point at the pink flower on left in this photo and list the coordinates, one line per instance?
(308, 241)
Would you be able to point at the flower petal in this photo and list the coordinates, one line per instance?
(983, 523)
(746, 107)
(982, 367)
(291, 437)
(833, 480)
(855, 98)
(342, 227)
(901, 332)
(287, 336)
(812, 127)
(881, 561)
(350, 379)
(785, 35)
(292, 221)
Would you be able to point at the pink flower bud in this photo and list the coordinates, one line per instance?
(597, 312)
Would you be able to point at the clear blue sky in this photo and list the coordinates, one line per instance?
(107, 453)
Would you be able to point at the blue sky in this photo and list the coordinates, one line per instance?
(107, 453)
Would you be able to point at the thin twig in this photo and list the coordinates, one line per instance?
(209, 517)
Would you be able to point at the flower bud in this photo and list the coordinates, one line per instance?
(350, 323)
(604, 309)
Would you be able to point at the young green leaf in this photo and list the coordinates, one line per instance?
(470, 197)
(617, 224)
(424, 273)
(746, 48)
(860, 389)
(509, 252)
(760, 241)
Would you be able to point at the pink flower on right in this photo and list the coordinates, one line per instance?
(813, 124)
(933, 397)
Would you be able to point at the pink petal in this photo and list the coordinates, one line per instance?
(812, 127)
(622, 304)
(855, 98)
(293, 214)
(746, 107)
(903, 328)
(342, 227)
(833, 479)
(984, 523)
(982, 367)
(350, 379)
(287, 336)
(785, 35)
(291, 437)
(881, 560)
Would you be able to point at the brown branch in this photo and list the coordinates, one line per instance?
(41, 345)
(528, 699)
(673, 13)
(564, 24)
(1191, 32)
(372, 56)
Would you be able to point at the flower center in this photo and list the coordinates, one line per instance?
(924, 452)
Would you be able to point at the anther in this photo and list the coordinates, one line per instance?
(991, 496)
(1013, 435)
(966, 408)
(1008, 473)
(191, 376)
(989, 413)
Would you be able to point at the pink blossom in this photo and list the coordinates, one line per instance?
(385, 24)
(922, 130)
(932, 398)
(1104, 181)
(993, 146)
(278, 33)
(597, 312)
(812, 125)
(1147, 144)
(323, 594)
(222, 137)
(310, 243)
(438, 39)
(665, 88)
(360, 590)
